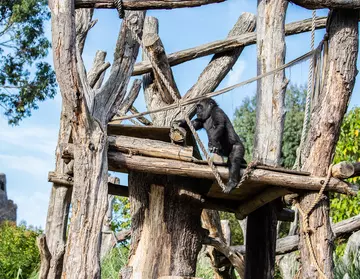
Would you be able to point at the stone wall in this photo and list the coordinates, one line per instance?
(7, 207)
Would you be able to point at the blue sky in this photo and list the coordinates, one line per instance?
(27, 152)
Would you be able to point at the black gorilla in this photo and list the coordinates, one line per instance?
(222, 137)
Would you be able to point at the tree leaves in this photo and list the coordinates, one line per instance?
(24, 78)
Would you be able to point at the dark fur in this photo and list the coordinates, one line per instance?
(222, 137)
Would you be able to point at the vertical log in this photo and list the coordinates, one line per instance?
(261, 224)
(58, 210)
(324, 131)
(160, 206)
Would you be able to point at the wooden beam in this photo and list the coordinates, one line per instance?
(260, 200)
(144, 4)
(343, 170)
(121, 162)
(330, 4)
(227, 44)
(68, 181)
(155, 48)
(146, 147)
(291, 243)
(151, 148)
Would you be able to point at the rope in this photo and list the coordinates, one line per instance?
(309, 94)
(178, 104)
(305, 214)
(176, 98)
(226, 89)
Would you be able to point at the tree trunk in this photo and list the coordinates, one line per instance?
(58, 210)
(89, 204)
(261, 224)
(89, 111)
(326, 119)
(166, 231)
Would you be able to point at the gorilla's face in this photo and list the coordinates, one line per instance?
(204, 108)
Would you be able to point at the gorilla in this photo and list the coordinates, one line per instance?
(222, 137)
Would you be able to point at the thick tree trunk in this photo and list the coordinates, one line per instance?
(166, 231)
(261, 224)
(326, 119)
(89, 112)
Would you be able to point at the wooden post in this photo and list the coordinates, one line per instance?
(261, 224)
(326, 118)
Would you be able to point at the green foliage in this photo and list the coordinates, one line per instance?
(203, 267)
(245, 122)
(122, 217)
(113, 262)
(22, 48)
(347, 149)
(19, 255)
(237, 237)
(352, 269)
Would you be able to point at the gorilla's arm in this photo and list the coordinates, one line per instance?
(196, 123)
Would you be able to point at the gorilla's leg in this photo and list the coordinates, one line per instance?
(235, 159)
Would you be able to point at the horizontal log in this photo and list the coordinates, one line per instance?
(258, 201)
(285, 215)
(151, 148)
(291, 243)
(121, 162)
(123, 191)
(144, 4)
(343, 170)
(329, 4)
(227, 44)
(147, 147)
(67, 181)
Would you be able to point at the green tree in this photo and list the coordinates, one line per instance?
(347, 149)
(25, 79)
(19, 254)
(245, 122)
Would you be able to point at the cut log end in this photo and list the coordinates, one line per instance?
(343, 170)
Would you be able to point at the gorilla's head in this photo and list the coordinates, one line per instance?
(204, 108)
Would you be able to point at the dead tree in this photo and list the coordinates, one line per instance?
(261, 224)
(89, 111)
(327, 114)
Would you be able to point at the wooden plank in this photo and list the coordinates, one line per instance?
(144, 132)
(144, 4)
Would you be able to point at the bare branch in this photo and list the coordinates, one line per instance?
(131, 97)
(98, 68)
(83, 25)
(113, 91)
(221, 63)
(141, 119)
(236, 259)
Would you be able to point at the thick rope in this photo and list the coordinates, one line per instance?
(305, 214)
(309, 94)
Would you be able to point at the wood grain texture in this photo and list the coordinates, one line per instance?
(326, 117)
(270, 113)
(144, 4)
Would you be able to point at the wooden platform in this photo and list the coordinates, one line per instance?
(148, 149)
